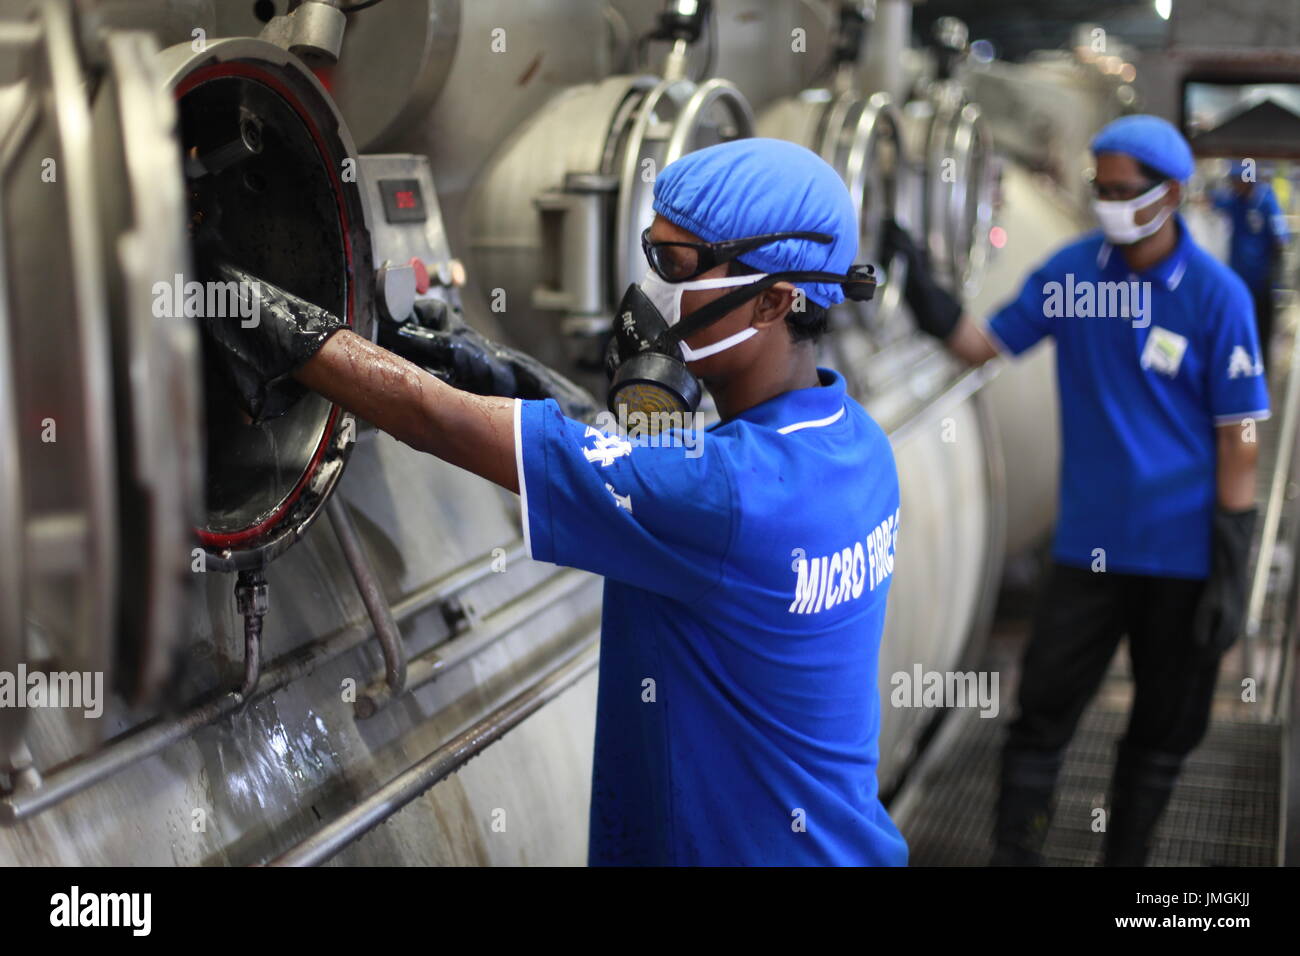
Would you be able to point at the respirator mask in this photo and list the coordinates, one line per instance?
(646, 358)
(1118, 218)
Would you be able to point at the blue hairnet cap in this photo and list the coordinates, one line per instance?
(1150, 140)
(752, 187)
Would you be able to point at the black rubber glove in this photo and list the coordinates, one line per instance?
(1222, 609)
(937, 311)
(438, 339)
(282, 333)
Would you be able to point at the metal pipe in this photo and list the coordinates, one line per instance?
(449, 585)
(449, 654)
(252, 655)
(381, 614)
(62, 783)
(890, 36)
(251, 600)
(150, 737)
(16, 763)
(444, 761)
(675, 63)
(1273, 510)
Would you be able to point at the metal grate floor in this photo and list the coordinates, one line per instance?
(1227, 807)
(1224, 812)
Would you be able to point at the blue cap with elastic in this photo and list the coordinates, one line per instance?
(1150, 140)
(752, 187)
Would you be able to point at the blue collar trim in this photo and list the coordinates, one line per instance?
(800, 408)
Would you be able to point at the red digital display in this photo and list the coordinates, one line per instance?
(403, 200)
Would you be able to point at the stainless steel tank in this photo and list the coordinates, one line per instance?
(257, 743)
(768, 48)
(60, 465)
(414, 40)
(510, 60)
(554, 221)
(403, 623)
(1036, 218)
(949, 464)
(1041, 114)
(102, 476)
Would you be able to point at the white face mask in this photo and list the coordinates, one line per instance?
(667, 298)
(1118, 217)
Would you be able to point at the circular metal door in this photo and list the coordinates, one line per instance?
(970, 214)
(864, 142)
(674, 118)
(960, 184)
(289, 214)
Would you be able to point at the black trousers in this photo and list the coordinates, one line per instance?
(1078, 625)
(1263, 299)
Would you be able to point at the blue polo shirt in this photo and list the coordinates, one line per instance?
(1147, 366)
(738, 712)
(1257, 226)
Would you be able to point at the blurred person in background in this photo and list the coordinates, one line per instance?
(1160, 389)
(1259, 235)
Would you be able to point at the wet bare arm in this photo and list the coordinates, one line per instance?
(969, 342)
(1236, 466)
(474, 432)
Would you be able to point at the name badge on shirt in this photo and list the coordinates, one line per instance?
(1164, 351)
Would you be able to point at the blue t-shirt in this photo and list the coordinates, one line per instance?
(738, 711)
(1257, 226)
(1147, 366)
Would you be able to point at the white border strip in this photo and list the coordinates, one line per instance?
(1237, 417)
(519, 467)
(815, 424)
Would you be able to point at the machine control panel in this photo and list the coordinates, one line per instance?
(409, 239)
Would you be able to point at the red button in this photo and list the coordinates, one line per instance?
(421, 276)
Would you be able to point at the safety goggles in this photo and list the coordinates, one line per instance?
(681, 261)
(1122, 192)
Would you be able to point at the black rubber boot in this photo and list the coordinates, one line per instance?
(1024, 807)
(1143, 782)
